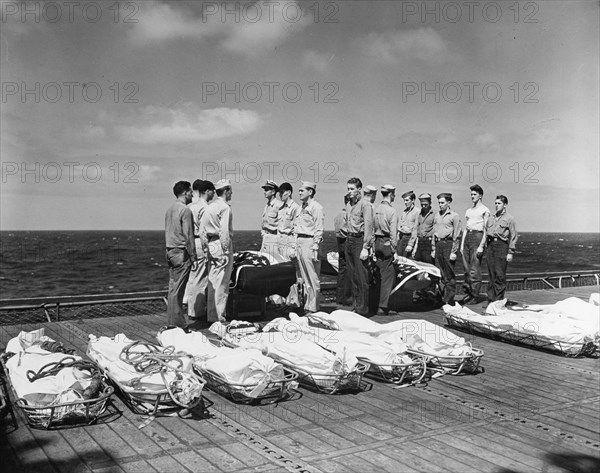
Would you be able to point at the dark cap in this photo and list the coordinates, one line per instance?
(410, 194)
(445, 195)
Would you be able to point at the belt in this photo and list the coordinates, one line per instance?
(196, 237)
(212, 237)
(424, 237)
(169, 248)
(356, 235)
(284, 233)
(385, 235)
(268, 230)
(404, 234)
(445, 239)
(496, 239)
(474, 231)
(304, 235)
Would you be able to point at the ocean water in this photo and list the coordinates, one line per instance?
(54, 263)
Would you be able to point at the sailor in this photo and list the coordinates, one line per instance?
(501, 243)
(359, 215)
(472, 245)
(370, 193)
(407, 221)
(344, 284)
(270, 220)
(423, 232)
(216, 234)
(180, 251)
(386, 239)
(287, 216)
(308, 231)
(195, 291)
(446, 233)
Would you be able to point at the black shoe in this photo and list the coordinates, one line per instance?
(198, 325)
(384, 311)
(468, 298)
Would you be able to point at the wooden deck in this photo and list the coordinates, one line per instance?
(530, 411)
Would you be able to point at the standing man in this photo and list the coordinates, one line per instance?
(501, 243)
(344, 284)
(423, 232)
(446, 233)
(195, 291)
(370, 194)
(181, 251)
(472, 245)
(359, 214)
(216, 234)
(386, 239)
(407, 221)
(308, 230)
(287, 216)
(270, 220)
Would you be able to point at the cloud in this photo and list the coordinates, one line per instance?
(317, 61)
(188, 123)
(244, 28)
(422, 44)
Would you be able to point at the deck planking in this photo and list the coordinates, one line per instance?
(527, 406)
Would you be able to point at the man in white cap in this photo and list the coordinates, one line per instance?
(424, 230)
(407, 221)
(359, 215)
(216, 234)
(181, 251)
(197, 286)
(270, 220)
(287, 216)
(370, 193)
(386, 239)
(308, 230)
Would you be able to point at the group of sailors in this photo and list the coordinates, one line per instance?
(200, 250)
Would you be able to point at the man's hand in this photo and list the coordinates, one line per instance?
(408, 250)
(509, 257)
(479, 252)
(364, 254)
(433, 254)
(452, 256)
(315, 255)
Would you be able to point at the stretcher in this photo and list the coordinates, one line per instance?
(244, 376)
(569, 327)
(443, 351)
(318, 369)
(53, 387)
(385, 362)
(150, 380)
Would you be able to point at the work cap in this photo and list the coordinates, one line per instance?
(309, 185)
(424, 196)
(387, 188)
(222, 183)
(370, 189)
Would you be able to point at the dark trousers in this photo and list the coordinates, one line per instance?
(496, 263)
(402, 244)
(180, 265)
(472, 263)
(358, 274)
(385, 258)
(344, 284)
(443, 248)
(424, 249)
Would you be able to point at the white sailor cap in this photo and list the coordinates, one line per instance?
(424, 196)
(387, 188)
(220, 184)
(270, 185)
(370, 189)
(309, 185)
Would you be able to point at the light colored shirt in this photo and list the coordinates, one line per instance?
(359, 219)
(287, 215)
(503, 226)
(407, 220)
(386, 222)
(340, 224)
(270, 216)
(475, 217)
(179, 228)
(197, 209)
(311, 221)
(217, 220)
(447, 226)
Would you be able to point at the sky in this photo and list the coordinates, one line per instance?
(105, 105)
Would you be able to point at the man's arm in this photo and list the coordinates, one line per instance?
(455, 233)
(225, 220)
(187, 224)
(481, 247)
(369, 234)
(394, 230)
